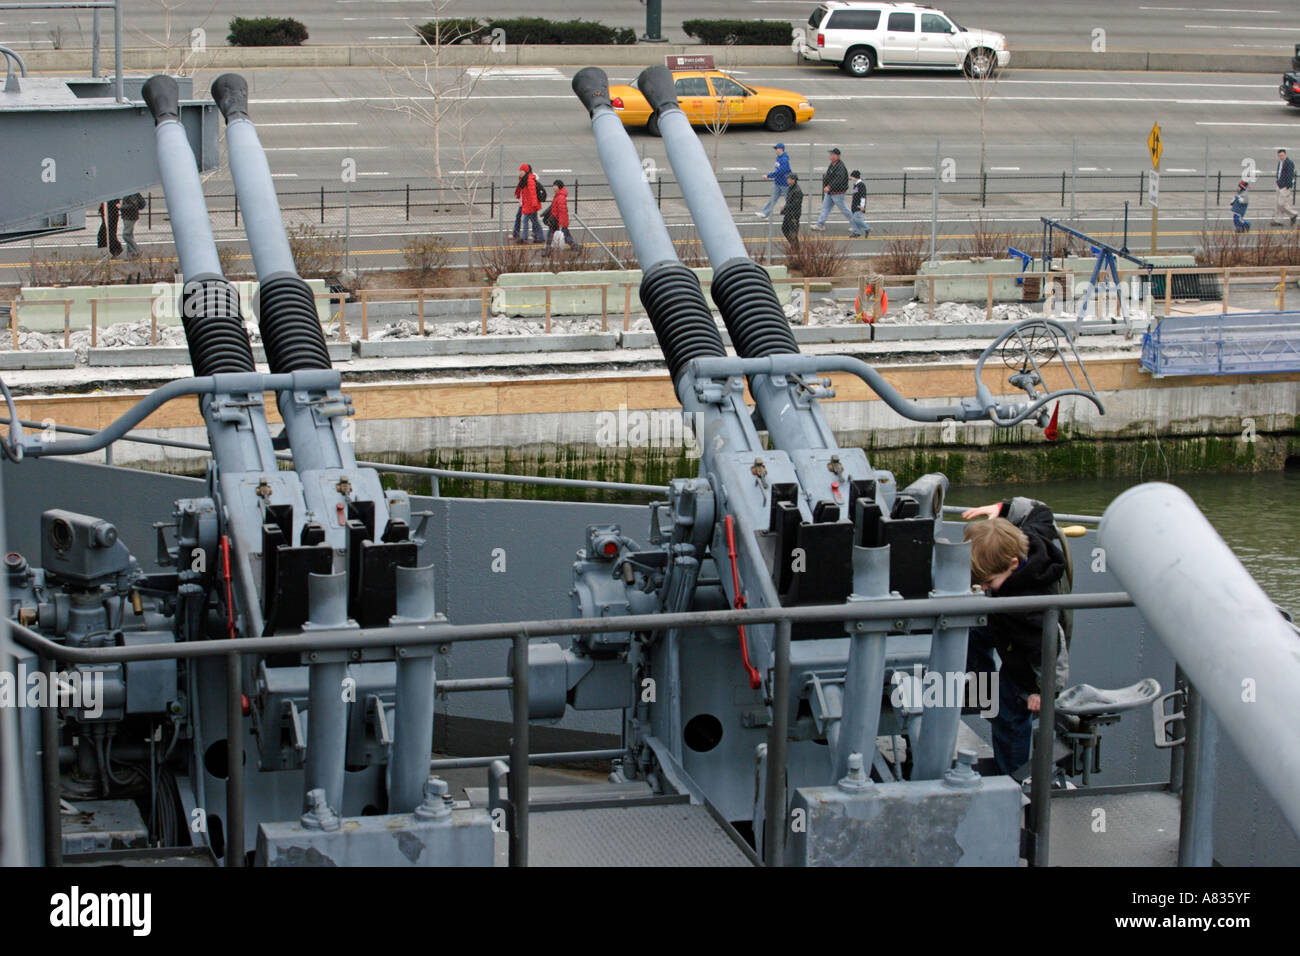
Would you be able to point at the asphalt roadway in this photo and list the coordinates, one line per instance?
(1266, 25)
(1039, 125)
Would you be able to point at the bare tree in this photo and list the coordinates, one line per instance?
(716, 122)
(185, 45)
(443, 87)
(437, 95)
(982, 79)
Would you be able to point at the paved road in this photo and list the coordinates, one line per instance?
(311, 120)
(1271, 25)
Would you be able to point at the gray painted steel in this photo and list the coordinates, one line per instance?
(670, 836)
(1196, 594)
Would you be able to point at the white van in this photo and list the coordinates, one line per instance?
(862, 37)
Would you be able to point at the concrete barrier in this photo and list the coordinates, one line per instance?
(180, 355)
(41, 307)
(963, 279)
(489, 345)
(634, 57)
(52, 358)
(518, 293)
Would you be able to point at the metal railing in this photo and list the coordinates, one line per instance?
(95, 6)
(1244, 343)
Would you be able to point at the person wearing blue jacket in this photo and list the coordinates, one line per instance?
(1238, 207)
(780, 176)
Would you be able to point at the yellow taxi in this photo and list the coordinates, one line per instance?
(710, 97)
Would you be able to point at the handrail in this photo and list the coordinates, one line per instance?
(96, 6)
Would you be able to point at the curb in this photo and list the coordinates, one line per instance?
(228, 58)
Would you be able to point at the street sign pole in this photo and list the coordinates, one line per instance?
(1157, 148)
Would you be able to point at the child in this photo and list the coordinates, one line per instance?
(1014, 553)
(858, 207)
(1239, 204)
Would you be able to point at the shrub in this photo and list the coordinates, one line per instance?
(588, 257)
(903, 255)
(1265, 247)
(816, 256)
(501, 260)
(519, 30)
(985, 241)
(739, 32)
(452, 30)
(426, 257)
(266, 31)
(317, 255)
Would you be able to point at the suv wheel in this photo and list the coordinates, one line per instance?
(860, 61)
(980, 63)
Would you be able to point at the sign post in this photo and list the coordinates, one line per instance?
(1156, 147)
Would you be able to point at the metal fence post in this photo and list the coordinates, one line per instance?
(408, 202)
(235, 764)
(347, 226)
(774, 812)
(904, 189)
(1200, 739)
(934, 203)
(1041, 784)
(1074, 173)
(518, 779)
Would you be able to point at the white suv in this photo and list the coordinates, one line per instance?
(863, 36)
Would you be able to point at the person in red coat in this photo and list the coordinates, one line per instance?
(556, 217)
(529, 203)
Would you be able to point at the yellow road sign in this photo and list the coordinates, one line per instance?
(1155, 145)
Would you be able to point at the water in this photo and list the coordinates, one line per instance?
(1257, 515)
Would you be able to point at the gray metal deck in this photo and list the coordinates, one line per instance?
(673, 835)
(1140, 829)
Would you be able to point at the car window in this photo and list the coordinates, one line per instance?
(933, 23)
(902, 22)
(854, 20)
(816, 17)
(692, 86)
(724, 86)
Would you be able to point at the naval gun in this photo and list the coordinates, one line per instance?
(794, 521)
(264, 552)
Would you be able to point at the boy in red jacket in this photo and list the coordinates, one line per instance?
(529, 203)
(556, 217)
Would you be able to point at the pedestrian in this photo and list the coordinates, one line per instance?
(108, 228)
(858, 206)
(556, 217)
(792, 211)
(1283, 205)
(1239, 204)
(835, 183)
(780, 176)
(530, 196)
(131, 206)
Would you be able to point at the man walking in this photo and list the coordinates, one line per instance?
(780, 180)
(858, 205)
(131, 206)
(792, 211)
(1282, 205)
(835, 183)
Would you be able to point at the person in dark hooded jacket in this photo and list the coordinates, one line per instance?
(1015, 553)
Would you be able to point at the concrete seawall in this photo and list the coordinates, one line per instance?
(623, 426)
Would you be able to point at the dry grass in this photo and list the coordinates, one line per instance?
(903, 255)
(317, 254)
(52, 266)
(426, 259)
(504, 259)
(816, 256)
(1267, 247)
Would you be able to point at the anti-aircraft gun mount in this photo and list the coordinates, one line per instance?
(793, 522)
(264, 552)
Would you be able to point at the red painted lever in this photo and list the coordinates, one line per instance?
(755, 679)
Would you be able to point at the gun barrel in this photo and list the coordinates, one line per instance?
(210, 313)
(285, 305)
(741, 288)
(670, 292)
